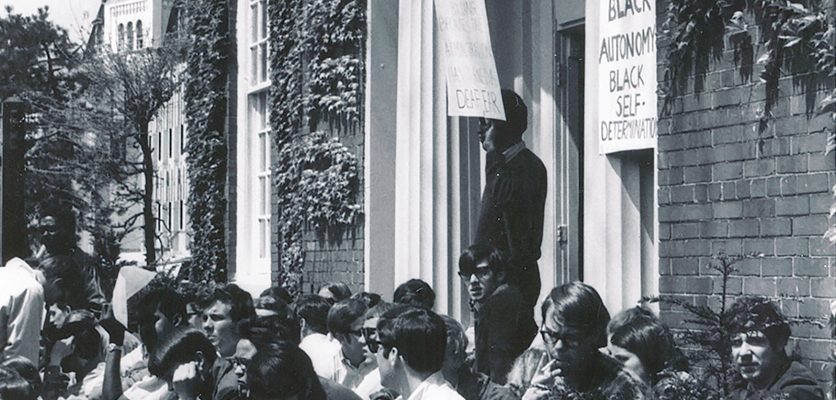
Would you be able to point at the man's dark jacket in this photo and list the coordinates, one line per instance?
(796, 382)
(504, 329)
(511, 215)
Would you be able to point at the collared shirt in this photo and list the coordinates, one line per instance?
(322, 351)
(21, 311)
(435, 388)
(369, 385)
(512, 151)
(348, 375)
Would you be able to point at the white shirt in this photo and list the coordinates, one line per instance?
(21, 311)
(149, 388)
(435, 388)
(322, 351)
(369, 385)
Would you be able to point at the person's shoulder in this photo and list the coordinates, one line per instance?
(505, 296)
(335, 391)
(800, 383)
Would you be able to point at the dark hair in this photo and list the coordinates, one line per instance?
(14, 387)
(314, 310)
(167, 300)
(578, 305)
(419, 335)
(66, 269)
(456, 337)
(757, 313)
(378, 310)
(368, 298)
(277, 292)
(643, 334)
(197, 293)
(271, 303)
(339, 289)
(240, 301)
(479, 252)
(343, 314)
(26, 369)
(415, 292)
(262, 331)
(180, 347)
(516, 116)
(283, 368)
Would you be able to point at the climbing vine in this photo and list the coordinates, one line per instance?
(794, 38)
(317, 72)
(206, 105)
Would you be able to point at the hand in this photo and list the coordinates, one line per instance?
(187, 381)
(113, 327)
(546, 377)
(62, 348)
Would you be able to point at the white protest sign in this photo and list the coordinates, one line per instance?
(627, 75)
(467, 59)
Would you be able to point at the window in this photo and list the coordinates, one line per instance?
(260, 133)
(130, 35)
(258, 42)
(182, 139)
(139, 34)
(170, 142)
(121, 30)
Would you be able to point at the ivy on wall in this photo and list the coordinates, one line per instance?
(317, 72)
(206, 105)
(794, 38)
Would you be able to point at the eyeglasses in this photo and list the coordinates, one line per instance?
(480, 273)
(239, 362)
(370, 335)
(357, 333)
(571, 339)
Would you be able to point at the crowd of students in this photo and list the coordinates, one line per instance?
(192, 341)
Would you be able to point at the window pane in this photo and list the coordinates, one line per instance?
(263, 19)
(254, 22)
(253, 65)
(263, 54)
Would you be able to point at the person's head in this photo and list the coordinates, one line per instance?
(14, 387)
(455, 354)
(574, 327)
(283, 371)
(415, 292)
(184, 345)
(228, 306)
(642, 343)
(63, 279)
(267, 305)
(277, 292)
(758, 332)
(344, 322)
(160, 310)
(483, 268)
(258, 333)
(311, 311)
(57, 225)
(369, 328)
(79, 330)
(369, 299)
(197, 297)
(335, 291)
(26, 369)
(411, 342)
(497, 135)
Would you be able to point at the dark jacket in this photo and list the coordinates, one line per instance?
(477, 386)
(504, 328)
(796, 381)
(511, 215)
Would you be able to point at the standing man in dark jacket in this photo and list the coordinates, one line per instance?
(504, 324)
(511, 214)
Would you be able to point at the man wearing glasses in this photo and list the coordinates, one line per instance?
(574, 328)
(511, 214)
(353, 361)
(504, 324)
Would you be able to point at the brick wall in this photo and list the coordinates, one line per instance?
(725, 187)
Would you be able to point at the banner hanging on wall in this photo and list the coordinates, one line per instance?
(467, 59)
(627, 75)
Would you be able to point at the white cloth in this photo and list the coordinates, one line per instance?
(322, 351)
(149, 388)
(369, 385)
(340, 370)
(21, 311)
(435, 388)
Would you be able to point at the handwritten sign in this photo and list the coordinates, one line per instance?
(627, 75)
(467, 59)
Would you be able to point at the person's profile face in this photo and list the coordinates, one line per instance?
(630, 360)
(58, 315)
(370, 328)
(194, 315)
(244, 352)
(754, 357)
